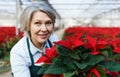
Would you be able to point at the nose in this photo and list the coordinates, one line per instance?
(43, 27)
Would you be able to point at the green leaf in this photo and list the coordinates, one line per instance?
(117, 57)
(63, 50)
(81, 66)
(110, 52)
(69, 74)
(111, 66)
(93, 75)
(94, 59)
(84, 55)
(56, 68)
(101, 71)
(69, 63)
(43, 69)
(107, 52)
(66, 60)
(71, 66)
(75, 55)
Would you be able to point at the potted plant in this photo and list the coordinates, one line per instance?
(81, 56)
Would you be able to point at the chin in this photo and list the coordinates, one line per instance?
(42, 40)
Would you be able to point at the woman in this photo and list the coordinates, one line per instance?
(37, 22)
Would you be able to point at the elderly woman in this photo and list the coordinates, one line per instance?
(37, 22)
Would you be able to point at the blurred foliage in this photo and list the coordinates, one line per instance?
(5, 53)
(6, 47)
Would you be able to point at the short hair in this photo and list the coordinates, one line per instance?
(26, 15)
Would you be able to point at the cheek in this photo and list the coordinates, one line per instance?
(33, 29)
(51, 29)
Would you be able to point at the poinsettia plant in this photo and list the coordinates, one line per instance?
(82, 56)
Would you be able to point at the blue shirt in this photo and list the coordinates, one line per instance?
(20, 58)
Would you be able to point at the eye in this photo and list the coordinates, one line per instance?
(37, 23)
(48, 23)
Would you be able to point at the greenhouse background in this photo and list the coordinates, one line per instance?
(69, 13)
(103, 13)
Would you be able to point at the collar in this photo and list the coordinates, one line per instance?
(35, 50)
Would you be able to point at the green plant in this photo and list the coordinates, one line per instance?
(5, 53)
(8, 45)
(1, 52)
(80, 56)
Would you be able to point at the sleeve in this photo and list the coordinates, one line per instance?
(19, 66)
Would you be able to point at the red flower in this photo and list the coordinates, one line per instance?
(70, 43)
(91, 43)
(95, 45)
(112, 74)
(50, 54)
(75, 41)
(116, 46)
(102, 44)
(64, 43)
(94, 71)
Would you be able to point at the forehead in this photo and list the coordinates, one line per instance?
(40, 15)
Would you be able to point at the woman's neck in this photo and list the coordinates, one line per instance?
(38, 45)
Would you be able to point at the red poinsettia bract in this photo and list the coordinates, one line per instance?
(94, 71)
(116, 46)
(112, 74)
(71, 43)
(50, 54)
(95, 44)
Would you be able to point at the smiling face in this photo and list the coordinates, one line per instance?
(41, 27)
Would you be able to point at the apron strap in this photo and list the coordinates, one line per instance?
(31, 57)
(50, 44)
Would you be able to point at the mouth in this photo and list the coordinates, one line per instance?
(43, 36)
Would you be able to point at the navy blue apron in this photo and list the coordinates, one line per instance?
(34, 69)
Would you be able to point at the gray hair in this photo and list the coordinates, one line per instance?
(26, 15)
